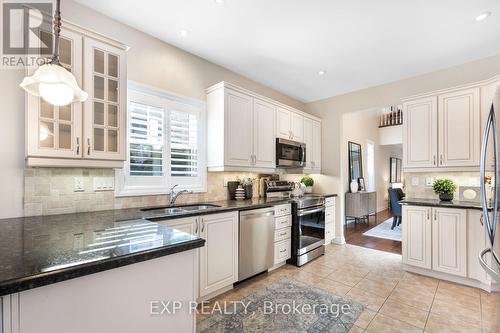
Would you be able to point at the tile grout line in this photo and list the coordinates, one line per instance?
(430, 308)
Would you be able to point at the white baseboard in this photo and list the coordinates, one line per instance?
(488, 287)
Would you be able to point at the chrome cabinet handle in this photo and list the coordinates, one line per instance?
(77, 145)
(202, 226)
(435, 216)
(434, 160)
(441, 159)
(196, 230)
(88, 146)
(283, 251)
(428, 217)
(481, 220)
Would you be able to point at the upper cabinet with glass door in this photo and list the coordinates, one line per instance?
(89, 134)
(54, 131)
(105, 109)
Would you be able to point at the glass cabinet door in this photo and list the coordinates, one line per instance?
(56, 131)
(105, 108)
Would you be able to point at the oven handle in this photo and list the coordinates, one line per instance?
(310, 211)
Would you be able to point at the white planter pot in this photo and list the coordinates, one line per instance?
(308, 189)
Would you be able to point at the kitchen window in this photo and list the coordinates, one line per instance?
(166, 143)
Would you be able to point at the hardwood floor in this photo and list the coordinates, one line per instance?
(354, 235)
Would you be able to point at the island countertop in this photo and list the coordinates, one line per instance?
(439, 203)
(41, 250)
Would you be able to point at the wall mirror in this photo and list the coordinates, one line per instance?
(395, 170)
(355, 161)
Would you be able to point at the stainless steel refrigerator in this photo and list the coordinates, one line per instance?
(489, 258)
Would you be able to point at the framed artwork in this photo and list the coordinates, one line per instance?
(361, 182)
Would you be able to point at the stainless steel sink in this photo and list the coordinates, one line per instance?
(179, 210)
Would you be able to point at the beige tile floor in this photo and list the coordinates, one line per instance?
(395, 300)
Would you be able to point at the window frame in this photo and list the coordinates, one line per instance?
(126, 185)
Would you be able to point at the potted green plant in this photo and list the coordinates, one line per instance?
(247, 184)
(445, 188)
(308, 182)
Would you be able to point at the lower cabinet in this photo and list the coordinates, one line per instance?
(219, 257)
(329, 220)
(445, 240)
(449, 241)
(417, 236)
(282, 234)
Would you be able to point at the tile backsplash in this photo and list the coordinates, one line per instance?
(419, 185)
(50, 191)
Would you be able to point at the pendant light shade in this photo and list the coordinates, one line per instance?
(55, 84)
(52, 82)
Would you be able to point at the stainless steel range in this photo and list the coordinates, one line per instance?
(308, 229)
(308, 222)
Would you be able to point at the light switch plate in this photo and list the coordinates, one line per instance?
(414, 181)
(104, 184)
(78, 184)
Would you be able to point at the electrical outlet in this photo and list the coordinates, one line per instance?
(78, 241)
(429, 181)
(414, 181)
(78, 184)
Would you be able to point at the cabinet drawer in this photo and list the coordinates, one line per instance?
(282, 234)
(283, 222)
(281, 251)
(329, 232)
(329, 215)
(282, 210)
(330, 201)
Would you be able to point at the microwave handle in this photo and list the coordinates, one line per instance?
(303, 157)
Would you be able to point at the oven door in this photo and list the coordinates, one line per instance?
(311, 223)
(290, 153)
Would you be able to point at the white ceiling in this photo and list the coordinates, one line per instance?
(284, 43)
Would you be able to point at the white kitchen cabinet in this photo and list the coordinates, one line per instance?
(477, 241)
(449, 241)
(264, 149)
(239, 129)
(312, 139)
(420, 136)
(297, 127)
(417, 236)
(289, 125)
(90, 134)
(283, 123)
(51, 131)
(282, 234)
(459, 128)
(219, 256)
(105, 117)
(243, 126)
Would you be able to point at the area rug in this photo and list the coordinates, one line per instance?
(383, 230)
(288, 306)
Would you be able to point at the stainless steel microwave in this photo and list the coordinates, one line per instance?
(290, 154)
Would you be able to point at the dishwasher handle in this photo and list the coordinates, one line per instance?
(255, 215)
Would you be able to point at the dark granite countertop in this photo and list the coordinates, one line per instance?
(438, 203)
(41, 250)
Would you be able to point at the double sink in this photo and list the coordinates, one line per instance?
(179, 210)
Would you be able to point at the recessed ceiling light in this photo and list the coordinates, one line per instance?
(483, 16)
(184, 33)
(220, 2)
(321, 72)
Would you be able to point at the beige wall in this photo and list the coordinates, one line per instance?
(150, 61)
(332, 109)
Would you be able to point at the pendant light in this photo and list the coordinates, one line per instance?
(52, 82)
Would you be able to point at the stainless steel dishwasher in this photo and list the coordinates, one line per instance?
(256, 242)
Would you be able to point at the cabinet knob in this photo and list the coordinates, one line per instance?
(77, 145)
